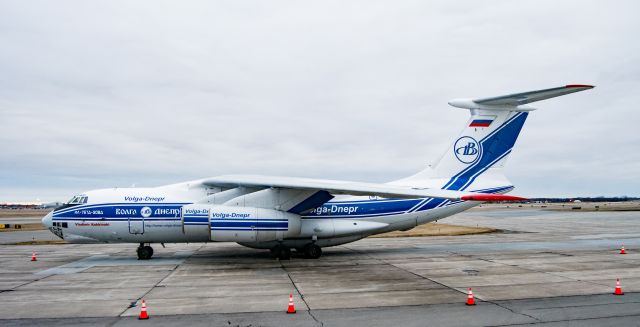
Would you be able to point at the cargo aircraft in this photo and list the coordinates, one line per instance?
(285, 213)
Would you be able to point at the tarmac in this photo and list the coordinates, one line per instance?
(547, 268)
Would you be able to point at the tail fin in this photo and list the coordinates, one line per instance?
(475, 159)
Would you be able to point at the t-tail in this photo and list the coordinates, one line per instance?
(476, 158)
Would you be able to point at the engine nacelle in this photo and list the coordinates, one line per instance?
(238, 224)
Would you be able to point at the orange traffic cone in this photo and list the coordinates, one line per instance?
(33, 256)
(622, 251)
(143, 311)
(618, 290)
(291, 308)
(470, 300)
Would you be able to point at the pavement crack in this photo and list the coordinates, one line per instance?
(113, 321)
(550, 273)
(309, 311)
(134, 303)
(446, 286)
(513, 311)
(27, 283)
(406, 270)
(570, 320)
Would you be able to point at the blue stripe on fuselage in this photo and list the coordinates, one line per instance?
(122, 210)
(366, 208)
(340, 209)
(253, 223)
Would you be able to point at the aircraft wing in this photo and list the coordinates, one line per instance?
(351, 188)
(517, 99)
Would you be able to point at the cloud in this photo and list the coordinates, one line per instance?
(117, 93)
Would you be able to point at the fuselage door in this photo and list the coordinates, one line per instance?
(136, 224)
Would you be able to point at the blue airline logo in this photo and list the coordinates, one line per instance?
(145, 212)
(467, 149)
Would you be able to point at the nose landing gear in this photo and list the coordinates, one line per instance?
(145, 252)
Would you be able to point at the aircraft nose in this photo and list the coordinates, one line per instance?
(47, 220)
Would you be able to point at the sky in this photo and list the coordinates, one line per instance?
(119, 93)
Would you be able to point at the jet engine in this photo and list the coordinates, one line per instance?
(220, 223)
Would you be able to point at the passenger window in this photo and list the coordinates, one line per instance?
(64, 225)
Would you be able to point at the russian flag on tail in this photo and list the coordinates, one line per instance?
(481, 122)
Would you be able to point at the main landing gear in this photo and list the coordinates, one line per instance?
(281, 252)
(145, 252)
(310, 251)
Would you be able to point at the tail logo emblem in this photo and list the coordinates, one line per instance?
(467, 150)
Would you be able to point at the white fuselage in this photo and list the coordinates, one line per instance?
(157, 215)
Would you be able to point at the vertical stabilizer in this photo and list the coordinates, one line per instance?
(475, 159)
(485, 143)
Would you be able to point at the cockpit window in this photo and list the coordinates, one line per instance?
(76, 200)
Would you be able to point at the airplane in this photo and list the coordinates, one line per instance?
(30, 204)
(285, 213)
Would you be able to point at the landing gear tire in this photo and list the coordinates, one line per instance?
(144, 252)
(281, 252)
(312, 251)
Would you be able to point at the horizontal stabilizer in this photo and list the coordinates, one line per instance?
(518, 99)
(533, 96)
